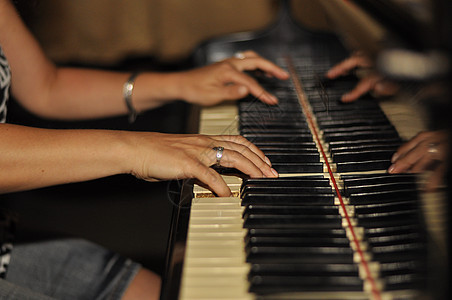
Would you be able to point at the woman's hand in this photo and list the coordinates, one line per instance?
(426, 151)
(163, 157)
(371, 82)
(226, 80)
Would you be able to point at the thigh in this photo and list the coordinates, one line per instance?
(70, 269)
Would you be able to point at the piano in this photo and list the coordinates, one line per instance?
(334, 225)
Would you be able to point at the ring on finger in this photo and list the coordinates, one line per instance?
(432, 149)
(239, 55)
(219, 154)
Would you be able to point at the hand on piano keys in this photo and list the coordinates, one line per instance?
(426, 151)
(169, 156)
(371, 82)
(225, 80)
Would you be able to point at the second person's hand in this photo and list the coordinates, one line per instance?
(371, 82)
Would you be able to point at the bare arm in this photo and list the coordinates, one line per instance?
(69, 93)
(33, 158)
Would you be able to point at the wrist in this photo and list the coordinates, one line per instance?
(155, 89)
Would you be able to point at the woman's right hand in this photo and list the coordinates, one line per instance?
(371, 82)
(426, 151)
(168, 156)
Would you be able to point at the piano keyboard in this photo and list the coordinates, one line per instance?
(333, 226)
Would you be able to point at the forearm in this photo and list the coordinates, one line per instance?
(85, 94)
(33, 158)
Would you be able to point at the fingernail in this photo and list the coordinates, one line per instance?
(391, 169)
(274, 172)
(267, 161)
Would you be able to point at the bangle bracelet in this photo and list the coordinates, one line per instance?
(127, 92)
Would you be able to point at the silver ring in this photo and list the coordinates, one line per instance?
(432, 149)
(219, 154)
(239, 55)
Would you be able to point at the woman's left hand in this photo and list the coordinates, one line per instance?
(226, 80)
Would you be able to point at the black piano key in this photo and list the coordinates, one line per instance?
(384, 219)
(297, 241)
(300, 199)
(268, 190)
(275, 125)
(415, 281)
(372, 179)
(380, 141)
(399, 252)
(307, 233)
(394, 230)
(305, 269)
(360, 135)
(262, 130)
(334, 105)
(293, 157)
(291, 221)
(368, 165)
(384, 196)
(291, 209)
(266, 254)
(385, 146)
(366, 155)
(310, 144)
(313, 167)
(272, 123)
(294, 150)
(352, 122)
(389, 240)
(258, 118)
(402, 267)
(386, 207)
(286, 284)
(351, 113)
(286, 138)
(383, 127)
(305, 181)
(269, 110)
(388, 186)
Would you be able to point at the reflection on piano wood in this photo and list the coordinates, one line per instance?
(334, 225)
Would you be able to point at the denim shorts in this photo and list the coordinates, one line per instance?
(66, 269)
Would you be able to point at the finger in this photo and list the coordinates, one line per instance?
(235, 159)
(241, 79)
(253, 63)
(211, 179)
(233, 92)
(386, 88)
(251, 161)
(364, 85)
(422, 164)
(405, 163)
(243, 141)
(408, 146)
(345, 66)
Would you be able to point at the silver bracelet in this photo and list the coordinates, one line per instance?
(127, 92)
